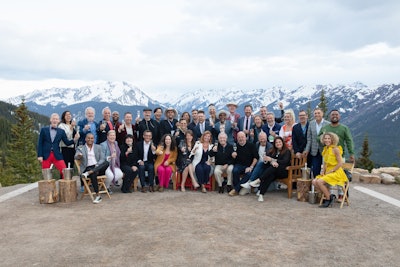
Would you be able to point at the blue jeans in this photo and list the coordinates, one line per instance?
(258, 170)
(149, 167)
(236, 172)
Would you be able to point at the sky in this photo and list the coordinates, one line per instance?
(178, 46)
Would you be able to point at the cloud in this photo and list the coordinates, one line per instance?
(184, 45)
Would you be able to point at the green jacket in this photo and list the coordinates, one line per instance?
(345, 138)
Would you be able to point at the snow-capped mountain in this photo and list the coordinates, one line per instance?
(122, 93)
(372, 111)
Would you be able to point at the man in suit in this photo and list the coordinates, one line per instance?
(145, 155)
(314, 146)
(202, 126)
(194, 121)
(299, 134)
(168, 126)
(87, 125)
(148, 124)
(246, 122)
(93, 162)
(271, 128)
(49, 151)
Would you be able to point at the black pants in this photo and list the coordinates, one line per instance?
(269, 175)
(97, 170)
(68, 155)
(129, 177)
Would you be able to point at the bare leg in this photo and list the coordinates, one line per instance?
(191, 173)
(321, 185)
(184, 177)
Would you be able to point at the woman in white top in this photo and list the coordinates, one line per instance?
(201, 161)
(286, 129)
(68, 125)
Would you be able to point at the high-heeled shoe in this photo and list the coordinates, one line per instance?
(329, 202)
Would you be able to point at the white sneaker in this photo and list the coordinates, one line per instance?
(258, 193)
(282, 186)
(260, 198)
(244, 191)
(255, 183)
(85, 174)
(97, 200)
(246, 185)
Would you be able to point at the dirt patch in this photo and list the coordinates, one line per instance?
(194, 229)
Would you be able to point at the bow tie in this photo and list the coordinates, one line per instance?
(54, 128)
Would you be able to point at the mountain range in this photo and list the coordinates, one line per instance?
(368, 111)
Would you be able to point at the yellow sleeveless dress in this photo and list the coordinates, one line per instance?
(335, 178)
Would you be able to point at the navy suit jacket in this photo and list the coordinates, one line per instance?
(138, 153)
(241, 123)
(197, 131)
(45, 145)
(299, 139)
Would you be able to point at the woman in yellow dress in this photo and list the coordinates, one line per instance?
(332, 172)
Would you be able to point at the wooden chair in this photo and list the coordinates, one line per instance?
(350, 167)
(87, 182)
(294, 172)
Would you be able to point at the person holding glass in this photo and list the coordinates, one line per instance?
(185, 165)
(164, 167)
(68, 125)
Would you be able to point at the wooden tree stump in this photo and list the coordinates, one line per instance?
(303, 187)
(67, 190)
(47, 191)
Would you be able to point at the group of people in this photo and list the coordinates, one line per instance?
(240, 151)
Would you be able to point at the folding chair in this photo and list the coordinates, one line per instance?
(87, 183)
(348, 166)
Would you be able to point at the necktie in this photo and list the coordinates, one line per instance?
(202, 128)
(246, 127)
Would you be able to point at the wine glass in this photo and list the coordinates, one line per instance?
(234, 147)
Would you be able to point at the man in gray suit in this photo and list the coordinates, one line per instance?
(93, 162)
(314, 146)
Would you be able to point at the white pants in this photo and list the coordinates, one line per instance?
(218, 174)
(110, 176)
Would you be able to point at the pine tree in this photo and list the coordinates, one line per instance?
(323, 104)
(22, 159)
(364, 160)
(309, 112)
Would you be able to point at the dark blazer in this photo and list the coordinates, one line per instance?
(138, 153)
(276, 129)
(241, 123)
(299, 139)
(166, 127)
(223, 155)
(45, 145)
(127, 158)
(151, 125)
(197, 132)
(102, 135)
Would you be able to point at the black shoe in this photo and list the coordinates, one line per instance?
(229, 188)
(221, 189)
(328, 202)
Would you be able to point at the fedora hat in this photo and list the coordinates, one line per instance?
(171, 109)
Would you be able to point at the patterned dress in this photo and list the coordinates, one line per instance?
(335, 178)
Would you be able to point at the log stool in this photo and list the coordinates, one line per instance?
(47, 191)
(67, 190)
(303, 187)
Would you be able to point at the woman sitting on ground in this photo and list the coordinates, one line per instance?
(332, 172)
(278, 159)
(201, 161)
(184, 162)
(164, 166)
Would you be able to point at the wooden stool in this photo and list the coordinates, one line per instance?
(47, 191)
(303, 187)
(67, 190)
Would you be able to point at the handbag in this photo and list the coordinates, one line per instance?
(348, 174)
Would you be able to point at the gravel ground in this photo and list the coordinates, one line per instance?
(176, 228)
